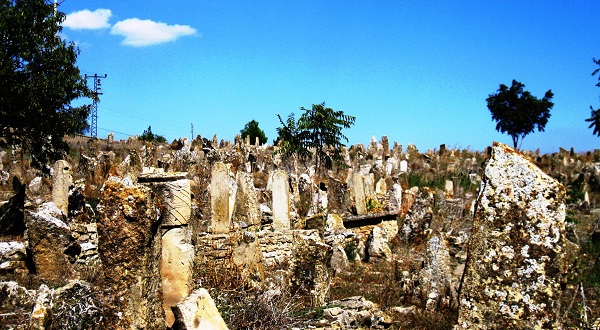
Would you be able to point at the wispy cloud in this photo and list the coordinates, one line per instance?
(88, 20)
(141, 33)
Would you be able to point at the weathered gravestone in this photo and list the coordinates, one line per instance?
(61, 173)
(219, 199)
(281, 200)
(360, 200)
(177, 251)
(516, 249)
(246, 208)
(129, 245)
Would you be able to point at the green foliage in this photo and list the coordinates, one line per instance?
(39, 81)
(373, 205)
(350, 248)
(595, 116)
(291, 138)
(318, 133)
(416, 180)
(517, 112)
(251, 129)
(148, 136)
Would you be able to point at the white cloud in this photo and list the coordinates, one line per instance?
(88, 20)
(140, 33)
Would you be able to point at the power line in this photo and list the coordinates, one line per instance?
(113, 131)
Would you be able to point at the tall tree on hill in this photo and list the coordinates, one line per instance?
(595, 117)
(318, 133)
(517, 112)
(251, 129)
(39, 81)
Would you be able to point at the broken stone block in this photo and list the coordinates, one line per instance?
(198, 312)
(378, 248)
(52, 244)
(129, 245)
(516, 249)
(175, 192)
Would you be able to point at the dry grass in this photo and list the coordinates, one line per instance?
(384, 285)
(245, 306)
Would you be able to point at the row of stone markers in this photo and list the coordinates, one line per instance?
(221, 197)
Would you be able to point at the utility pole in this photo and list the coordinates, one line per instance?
(192, 131)
(97, 91)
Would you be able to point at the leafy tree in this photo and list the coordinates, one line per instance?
(148, 136)
(318, 133)
(595, 116)
(251, 129)
(290, 139)
(39, 81)
(517, 112)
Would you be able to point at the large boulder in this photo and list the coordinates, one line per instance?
(516, 249)
(129, 246)
(53, 247)
(198, 312)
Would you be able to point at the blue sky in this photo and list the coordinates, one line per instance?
(418, 72)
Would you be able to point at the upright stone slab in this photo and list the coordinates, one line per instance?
(280, 189)
(129, 246)
(385, 144)
(61, 181)
(403, 166)
(246, 208)
(219, 199)
(360, 199)
(176, 268)
(177, 251)
(516, 249)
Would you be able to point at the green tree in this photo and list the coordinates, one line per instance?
(251, 129)
(517, 112)
(594, 119)
(290, 139)
(148, 136)
(318, 133)
(39, 81)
